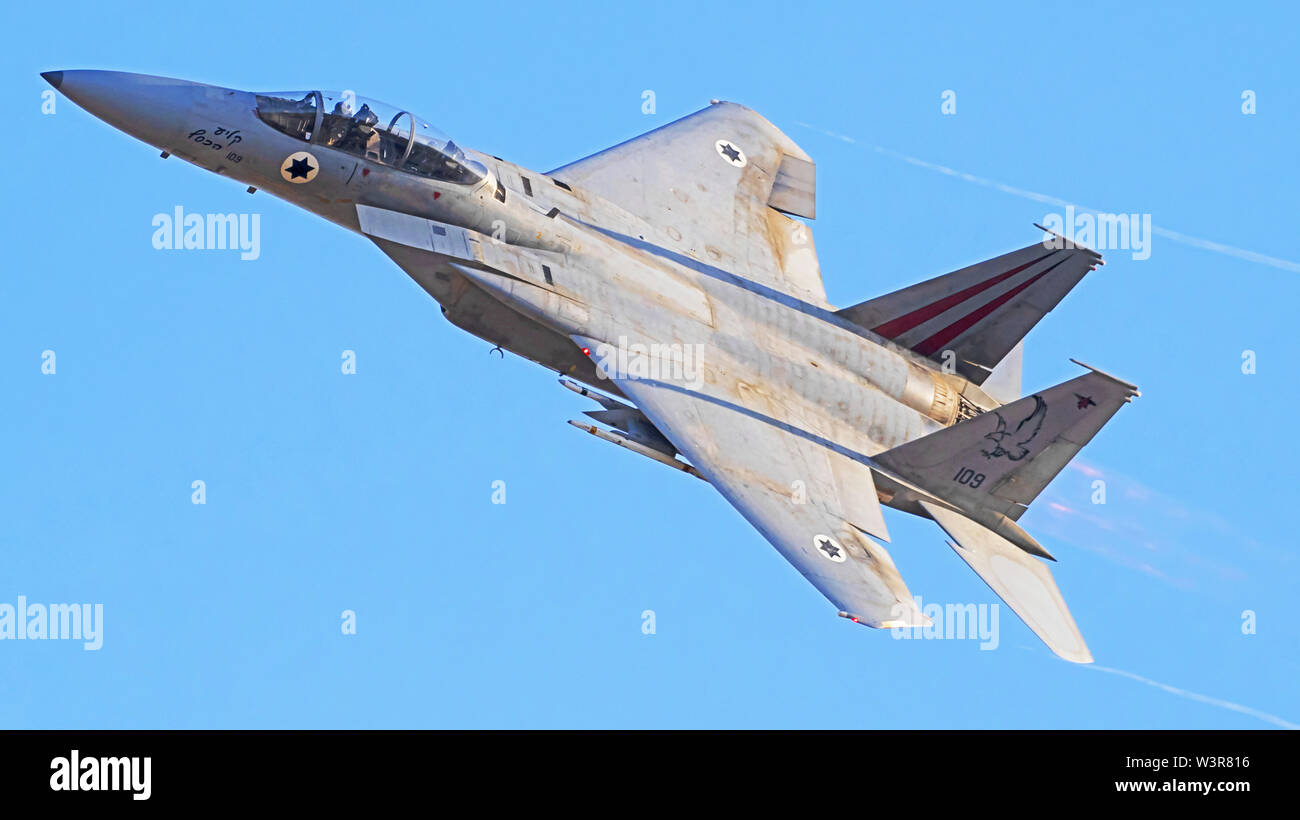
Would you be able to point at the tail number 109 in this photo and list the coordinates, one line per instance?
(969, 477)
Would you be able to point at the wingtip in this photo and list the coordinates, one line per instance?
(900, 623)
(892, 623)
(1080, 657)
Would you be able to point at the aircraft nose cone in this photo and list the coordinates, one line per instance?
(148, 108)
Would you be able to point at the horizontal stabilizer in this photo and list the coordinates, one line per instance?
(794, 191)
(1023, 582)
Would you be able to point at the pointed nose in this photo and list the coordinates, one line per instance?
(148, 108)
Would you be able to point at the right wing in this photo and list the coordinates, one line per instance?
(812, 502)
(815, 504)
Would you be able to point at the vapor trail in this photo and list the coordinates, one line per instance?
(1183, 693)
(1173, 236)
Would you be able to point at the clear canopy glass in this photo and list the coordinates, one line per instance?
(371, 129)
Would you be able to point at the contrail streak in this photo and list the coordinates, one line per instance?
(1183, 693)
(1173, 236)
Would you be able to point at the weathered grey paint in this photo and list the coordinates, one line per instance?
(680, 241)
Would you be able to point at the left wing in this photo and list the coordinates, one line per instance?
(816, 505)
(715, 186)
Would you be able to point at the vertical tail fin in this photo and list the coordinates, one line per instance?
(989, 468)
(979, 313)
(1001, 460)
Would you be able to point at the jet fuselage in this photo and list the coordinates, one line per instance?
(620, 283)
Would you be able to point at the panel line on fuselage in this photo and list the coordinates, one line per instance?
(757, 288)
(784, 426)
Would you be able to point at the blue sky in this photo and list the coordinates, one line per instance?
(372, 492)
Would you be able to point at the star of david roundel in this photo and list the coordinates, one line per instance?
(731, 152)
(299, 167)
(830, 549)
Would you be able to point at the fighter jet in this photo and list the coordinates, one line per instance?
(673, 280)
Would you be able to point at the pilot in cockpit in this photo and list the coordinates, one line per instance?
(365, 133)
(337, 125)
(354, 133)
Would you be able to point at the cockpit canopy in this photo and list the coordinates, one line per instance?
(370, 129)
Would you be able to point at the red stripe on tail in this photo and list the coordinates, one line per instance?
(897, 327)
(935, 343)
